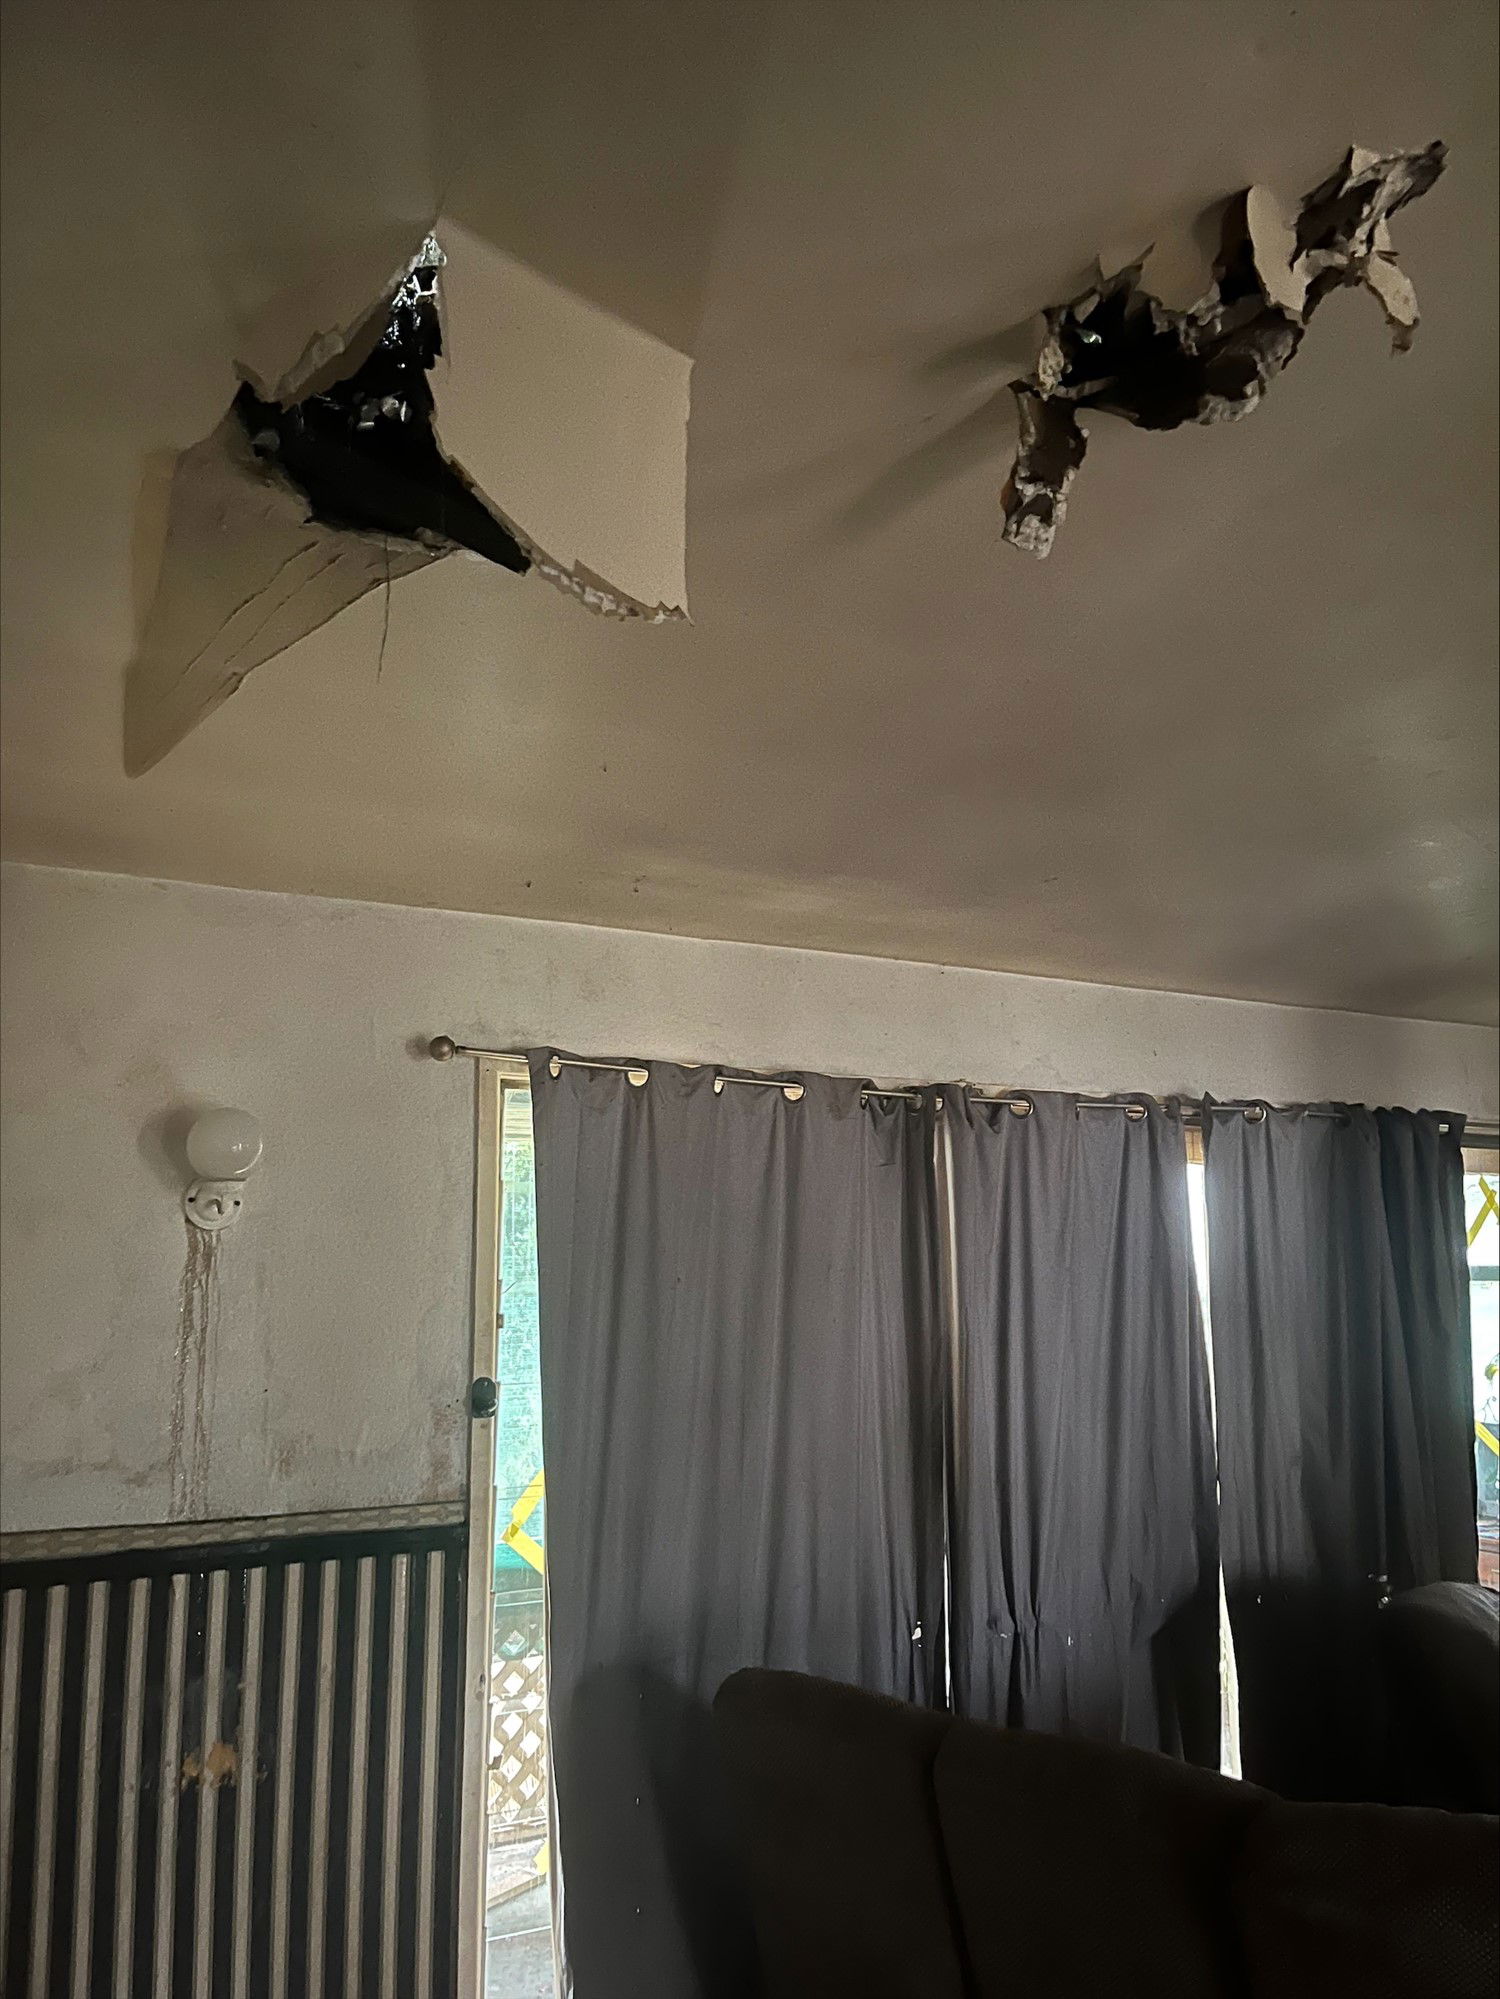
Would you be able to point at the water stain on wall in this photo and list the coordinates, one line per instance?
(197, 1317)
(218, 1766)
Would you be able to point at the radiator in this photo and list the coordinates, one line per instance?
(230, 1771)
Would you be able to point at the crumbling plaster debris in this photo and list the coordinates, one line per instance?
(1119, 349)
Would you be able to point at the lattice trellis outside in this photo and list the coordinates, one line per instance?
(518, 1746)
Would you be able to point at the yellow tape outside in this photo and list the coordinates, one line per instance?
(1488, 1206)
(515, 1535)
(1487, 1436)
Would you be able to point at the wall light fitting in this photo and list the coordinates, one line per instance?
(223, 1149)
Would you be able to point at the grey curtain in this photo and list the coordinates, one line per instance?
(1083, 1534)
(742, 1434)
(1339, 1302)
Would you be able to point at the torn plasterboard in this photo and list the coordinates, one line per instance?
(477, 406)
(1121, 348)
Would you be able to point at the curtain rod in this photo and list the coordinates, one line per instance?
(443, 1048)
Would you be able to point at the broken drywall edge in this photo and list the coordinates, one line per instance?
(586, 464)
(291, 511)
(343, 301)
(1120, 348)
(244, 575)
(1273, 244)
(1050, 451)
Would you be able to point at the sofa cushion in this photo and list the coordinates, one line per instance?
(1442, 1652)
(1369, 1901)
(834, 1787)
(1080, 1868)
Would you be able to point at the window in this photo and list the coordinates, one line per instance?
(1482, 1220)
(1229, 1686)
(518, 1916)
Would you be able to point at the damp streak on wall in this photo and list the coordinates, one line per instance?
(197, 1317)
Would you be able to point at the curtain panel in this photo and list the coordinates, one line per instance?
(1084, 1540)
(741, 1381)
(1339, 1304)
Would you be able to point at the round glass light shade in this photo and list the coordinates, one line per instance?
(223, 1145)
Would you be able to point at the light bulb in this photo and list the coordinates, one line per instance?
(223, 1145)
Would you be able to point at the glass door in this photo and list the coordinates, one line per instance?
(506, 1918)
(518, 1917)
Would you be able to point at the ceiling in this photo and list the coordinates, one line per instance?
(1237, 735)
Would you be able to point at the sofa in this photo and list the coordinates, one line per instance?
(897, 1853)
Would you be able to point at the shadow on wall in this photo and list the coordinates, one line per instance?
(162, 1142)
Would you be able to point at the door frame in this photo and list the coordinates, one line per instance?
(494, 1075)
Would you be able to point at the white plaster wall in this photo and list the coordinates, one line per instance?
(337, 1354)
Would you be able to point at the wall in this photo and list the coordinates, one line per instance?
(335, 1332)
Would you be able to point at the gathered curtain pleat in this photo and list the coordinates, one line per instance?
(1083, 1533)
(1339, 1305)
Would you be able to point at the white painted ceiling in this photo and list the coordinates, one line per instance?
(1237, 736)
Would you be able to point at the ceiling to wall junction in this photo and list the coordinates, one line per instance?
(1237, 735)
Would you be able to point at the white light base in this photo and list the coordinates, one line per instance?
(214, 1204)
